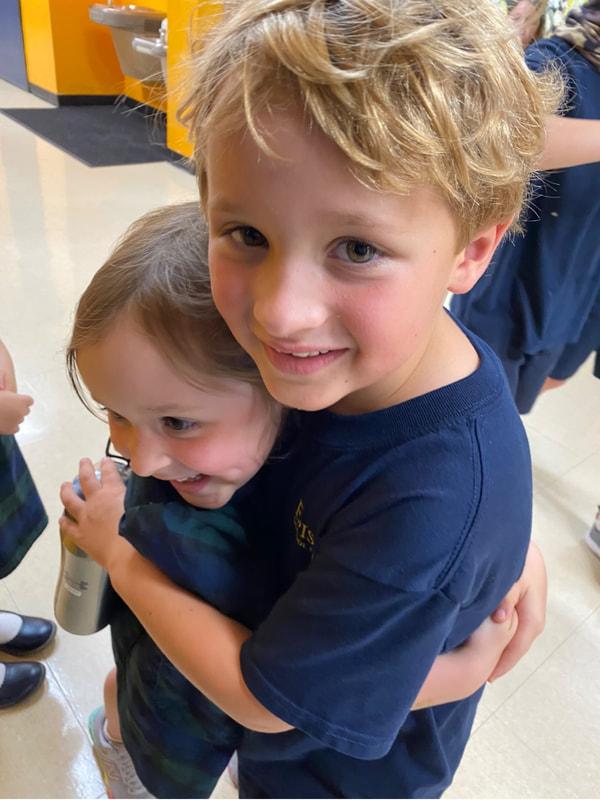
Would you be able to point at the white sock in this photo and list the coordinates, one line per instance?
(108, 738)
(10, 625)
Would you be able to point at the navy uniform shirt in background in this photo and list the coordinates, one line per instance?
(541, 288)
(395, 533)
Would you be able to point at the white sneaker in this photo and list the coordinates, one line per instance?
(116, 766)
(592, 538)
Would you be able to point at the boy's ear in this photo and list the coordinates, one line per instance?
(472, 262)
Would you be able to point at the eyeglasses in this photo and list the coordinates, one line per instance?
(115, 456)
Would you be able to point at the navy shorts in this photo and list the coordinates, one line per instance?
(526, 373)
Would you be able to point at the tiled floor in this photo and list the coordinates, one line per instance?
(538, 729)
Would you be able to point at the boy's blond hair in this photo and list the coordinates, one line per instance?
(413, 92)
(158, 274)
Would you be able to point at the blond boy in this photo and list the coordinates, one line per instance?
(357, 160)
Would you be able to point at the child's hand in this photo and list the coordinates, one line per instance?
(486, 645)
(94, 526)
(528, 596)
(13, 410)
(7, 377)
(459, 673)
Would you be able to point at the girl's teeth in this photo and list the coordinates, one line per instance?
(307, 354)
(191, 480)
(310, 354)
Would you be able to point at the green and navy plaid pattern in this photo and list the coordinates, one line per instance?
(22, 515)
(179, 741)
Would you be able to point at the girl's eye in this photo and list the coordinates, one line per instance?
(248, 236)
(178, 425)
(356, 251)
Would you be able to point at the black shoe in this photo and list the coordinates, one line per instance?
(33, 634)
(21, 678)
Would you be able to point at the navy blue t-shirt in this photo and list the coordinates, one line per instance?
(541, 288)
(395, 534)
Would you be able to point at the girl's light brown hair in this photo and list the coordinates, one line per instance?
(412, 91)
(158, 274)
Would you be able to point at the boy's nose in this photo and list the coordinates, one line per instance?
(289, 299)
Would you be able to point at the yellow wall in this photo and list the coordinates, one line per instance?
(39, 47)
(151, 94)
(86, 62)
(65, 52)
(157, 5)
(188, 19)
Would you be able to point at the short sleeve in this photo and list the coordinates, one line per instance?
(342, 656)
(553, 54)
(537, 58)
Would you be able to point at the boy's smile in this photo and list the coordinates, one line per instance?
(299, 360)
(335, 289)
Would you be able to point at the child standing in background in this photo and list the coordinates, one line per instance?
(539, 303)
(189, 525)
(535, 18)
(401, 514)
(22, 520)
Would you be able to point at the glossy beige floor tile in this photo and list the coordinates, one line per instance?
(557, 711)
(537, 729)
(225, 788)
(497, 765)
(44, 748)
(569, 415)
(551, 459)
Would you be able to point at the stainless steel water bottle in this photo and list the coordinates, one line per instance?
(84, 598)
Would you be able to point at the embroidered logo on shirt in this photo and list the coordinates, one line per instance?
(305, 538)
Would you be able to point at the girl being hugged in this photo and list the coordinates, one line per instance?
(186, 405)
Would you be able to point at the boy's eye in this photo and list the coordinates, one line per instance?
(356, 251)
(248, 236)
(179, 425)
